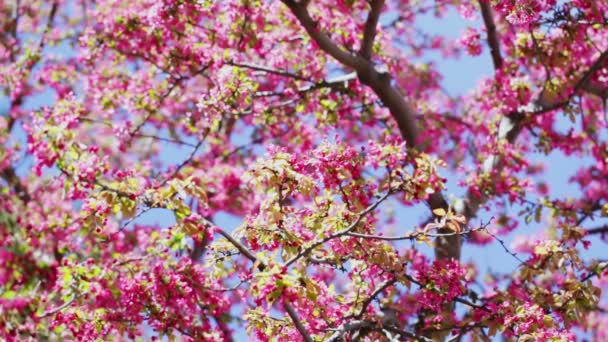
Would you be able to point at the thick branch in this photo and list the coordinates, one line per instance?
(322, 39)
(512, 124)
(347, 327)
(369, 32)
(596, 90)
(391, 97)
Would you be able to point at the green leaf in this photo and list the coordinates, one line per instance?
(9, 294)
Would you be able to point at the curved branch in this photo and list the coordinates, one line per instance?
(375, 294)
(380, 82)
(369, 32)
(322, 39)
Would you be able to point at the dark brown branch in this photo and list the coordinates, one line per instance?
(599, 230)
(242, 249)
(15, 27)
(596, 90)
(392, 98)
(322, 39)
(401, 111)
(376, 326)
(442, 232)
(49, 25)
(375, 294)
(493, 43)
(267, 70)
(582, 84)
(14, 182)
(296, 321)
(369, 32)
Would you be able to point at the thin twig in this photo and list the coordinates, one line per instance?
(342, 232)
(267, 70)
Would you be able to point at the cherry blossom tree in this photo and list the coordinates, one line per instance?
(323, 128)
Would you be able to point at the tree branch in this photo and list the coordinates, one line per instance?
(242, 249)
(296, 321)
(322, 39)
(60, 308)
(267, 70)
(596, 90)
(375, 294)
(14, 182)
(369, 32)
(261, 266)
(362, 324)
(340, 233)
(599, 230)
(442, 232)
(511, 124)
(493, 43)
(401, 111)
(582, 84)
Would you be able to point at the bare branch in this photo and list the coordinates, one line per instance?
(267, 70)
(599, 230)
(442, 232)
(185, 161)
(596, 90)
(49, 25)
(242, 249)
(59, 308)
(322, 39)
(296, 321)
(493, 43)
(375, 294)
(361, 324)
(369, 32)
